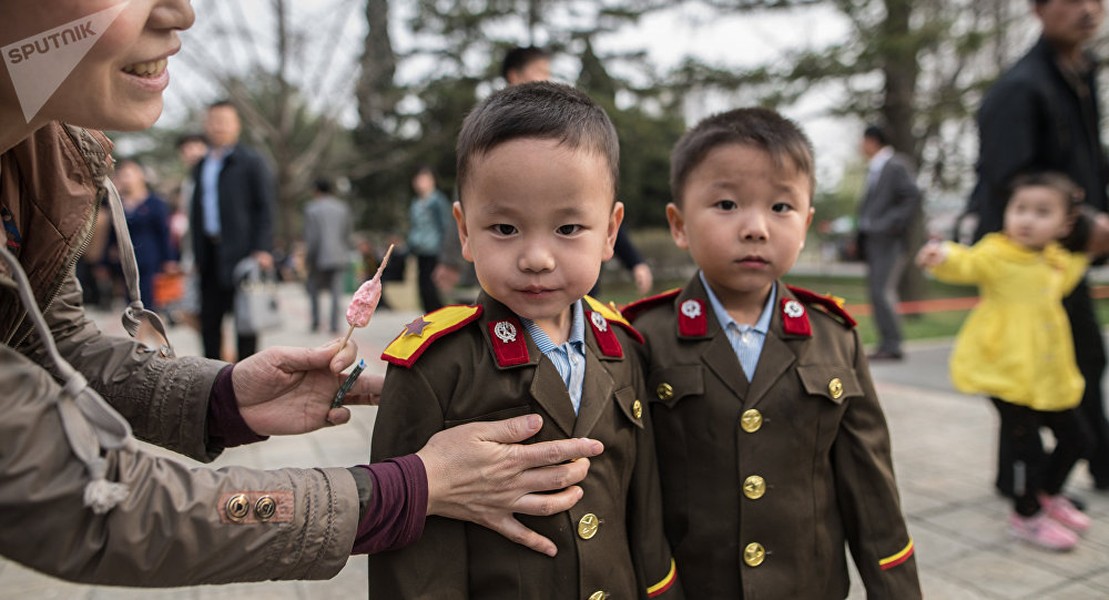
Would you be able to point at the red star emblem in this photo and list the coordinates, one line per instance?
(416, 327)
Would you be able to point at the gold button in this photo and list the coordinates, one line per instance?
(598, 595)
(751, 421)
(754, 554)
(754, 487)
(637, 409)
(588, 525)
(665, 391)
(265, 508)
(835, 387)
(237, 507)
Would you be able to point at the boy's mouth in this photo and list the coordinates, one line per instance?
(753, 260)
(147, 69)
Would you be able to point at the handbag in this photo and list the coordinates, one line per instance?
(256, 308)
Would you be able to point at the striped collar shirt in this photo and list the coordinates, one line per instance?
(746, 340)
(568, 358)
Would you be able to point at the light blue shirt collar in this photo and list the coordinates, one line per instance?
(568, 358)
(762, 325)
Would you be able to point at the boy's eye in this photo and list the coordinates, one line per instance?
(504, 229)
(726, 204)
(781, 207)
(568, 229)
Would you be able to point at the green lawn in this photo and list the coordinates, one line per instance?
(853, 289)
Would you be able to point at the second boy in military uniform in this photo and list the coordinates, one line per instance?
(772, 446)
(537, 216)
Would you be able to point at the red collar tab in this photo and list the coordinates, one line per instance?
(831, 305)
(606, 338)
(795, 319)
(692, 319)
(509, 346)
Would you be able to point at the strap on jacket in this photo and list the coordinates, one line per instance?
(90, 424)
(135, 312)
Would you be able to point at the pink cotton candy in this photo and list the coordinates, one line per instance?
(365, 300)
(364, 303)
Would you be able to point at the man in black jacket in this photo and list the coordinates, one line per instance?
(232, 218)
(1043, 114)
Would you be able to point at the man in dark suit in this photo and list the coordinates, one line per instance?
(232, 216)
(1043, 115)
(889, 202)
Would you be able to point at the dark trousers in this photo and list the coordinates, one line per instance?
(1032, 471)
(331, 280)
(215, 302)
(885, 261)
(1089, 352)
(429, 293)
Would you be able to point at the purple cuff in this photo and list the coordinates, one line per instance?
(226, 427)
(398, 506)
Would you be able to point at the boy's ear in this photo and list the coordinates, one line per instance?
(463, 233)
(808, 221)
(614, 221)
(677, 225)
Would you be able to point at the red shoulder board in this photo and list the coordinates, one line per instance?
(632, 310)
(612, 315)
(419, 334)
(830, 304)
(606, 338)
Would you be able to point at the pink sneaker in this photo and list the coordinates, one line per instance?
(1061, 509)
(1041, 530)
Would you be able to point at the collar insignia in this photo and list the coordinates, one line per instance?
(693, 321)
(795, 320)
(508, 345)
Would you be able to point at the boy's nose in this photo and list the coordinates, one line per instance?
(536, 258)
(753, 227)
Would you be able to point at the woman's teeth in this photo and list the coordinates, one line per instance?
(151, 68)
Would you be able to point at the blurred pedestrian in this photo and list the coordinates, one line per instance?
(890, 200)
(327, 233)
(232, 218)
(191, 149)
(1043, 114)
(148, 226)
(429, 223)
(1016, 348)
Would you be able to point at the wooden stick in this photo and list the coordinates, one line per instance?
(377, 276)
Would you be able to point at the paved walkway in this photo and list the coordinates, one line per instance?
(943, 450)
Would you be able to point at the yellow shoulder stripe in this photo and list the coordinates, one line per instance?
(418, 335)
(609, 312)
(666, 583)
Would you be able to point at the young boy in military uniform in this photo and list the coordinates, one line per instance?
(537, 215)
(772, 446)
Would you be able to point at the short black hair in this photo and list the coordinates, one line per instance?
(1052, 180)
(323, 185)
(877, 133)
(519, 58)
(188, 138)
(223, 103)
(538, 110)
(761, 128)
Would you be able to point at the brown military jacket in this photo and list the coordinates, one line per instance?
(764, 481)
(464, 364)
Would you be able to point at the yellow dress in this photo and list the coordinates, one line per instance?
(1016, 344)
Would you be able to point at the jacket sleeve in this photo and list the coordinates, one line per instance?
(867, 493)
(172, 529)
(1075, 265)
(963, 265)
(164, 400)
(906, 196)
(435, 567)
(1008, 123)
(264, 196)
(655, 569)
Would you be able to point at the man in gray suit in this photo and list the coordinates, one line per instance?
(889, 202)
(327, 233)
